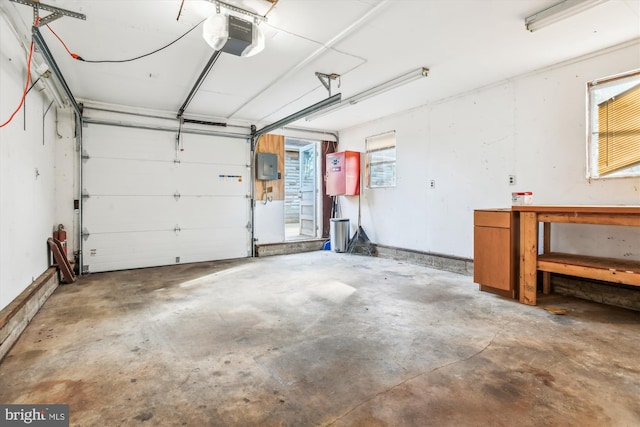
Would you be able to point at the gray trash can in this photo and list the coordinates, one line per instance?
(339, 234)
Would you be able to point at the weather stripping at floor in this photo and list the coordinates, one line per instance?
(321, 339)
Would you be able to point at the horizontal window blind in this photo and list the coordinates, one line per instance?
(381, 142)
(619, 131)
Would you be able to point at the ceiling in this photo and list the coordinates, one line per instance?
(466, 44)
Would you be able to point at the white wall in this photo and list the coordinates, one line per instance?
(66, 178)
(269, 222)
(27, 202)
(531, 126)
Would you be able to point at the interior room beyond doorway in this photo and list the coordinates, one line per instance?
(301, 189)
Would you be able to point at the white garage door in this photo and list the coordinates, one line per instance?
(146, 204)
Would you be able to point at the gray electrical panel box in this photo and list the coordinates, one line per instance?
(267, 167)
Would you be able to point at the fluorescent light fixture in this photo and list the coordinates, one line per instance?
(563, 10)
(373, 91)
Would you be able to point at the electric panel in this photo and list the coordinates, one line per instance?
(267, 167)
(343, 173)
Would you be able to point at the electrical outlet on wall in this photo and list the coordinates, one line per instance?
(512, 180)
(432, 183)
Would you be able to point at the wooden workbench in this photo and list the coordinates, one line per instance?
(599, 268)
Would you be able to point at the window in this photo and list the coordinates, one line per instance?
(381, 160)
(614, 126)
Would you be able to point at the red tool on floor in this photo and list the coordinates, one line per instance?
(61, 260)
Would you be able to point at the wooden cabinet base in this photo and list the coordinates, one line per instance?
(495, 247)
(507, 294)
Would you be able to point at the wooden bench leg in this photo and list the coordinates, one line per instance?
(528, 257)
(546, 248)
(546, 283)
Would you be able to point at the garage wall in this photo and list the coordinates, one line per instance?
(532, 127)
(27, 204)
(269, 215)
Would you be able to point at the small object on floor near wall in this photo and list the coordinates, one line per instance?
(522, 198)
(556, 310)
(360, 244)
(63, 263)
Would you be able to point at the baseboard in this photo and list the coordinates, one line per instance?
(15, 317)
(434, 260)
(287, 248)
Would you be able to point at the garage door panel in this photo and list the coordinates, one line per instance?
(143, 209)
(104, 214)
(213, 212)
(216, 243)
(202, 179)
(207, 149)
(100, 141)
(121, 251)
(130, 177)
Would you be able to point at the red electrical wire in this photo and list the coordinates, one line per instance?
(26, 87)
(73, 55)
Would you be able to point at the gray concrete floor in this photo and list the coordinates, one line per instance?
(292, 233)
(321, 339)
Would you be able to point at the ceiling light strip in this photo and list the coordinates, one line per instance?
(374, 91)
(563, 10)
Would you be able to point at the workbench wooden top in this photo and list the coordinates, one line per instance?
(600, 209)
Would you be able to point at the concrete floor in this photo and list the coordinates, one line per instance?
(292, 233)
(321, 339)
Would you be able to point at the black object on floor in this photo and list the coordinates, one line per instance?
(360, 244)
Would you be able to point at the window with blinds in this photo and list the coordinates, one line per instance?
(614, 116)
(381, 160)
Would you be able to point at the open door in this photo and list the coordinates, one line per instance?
(308, 191)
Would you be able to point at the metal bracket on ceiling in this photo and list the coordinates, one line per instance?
(57, 12)
(325, 79)
(257, 18)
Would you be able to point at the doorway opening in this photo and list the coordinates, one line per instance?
(301, 203)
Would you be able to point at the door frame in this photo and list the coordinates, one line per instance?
(299, 144)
